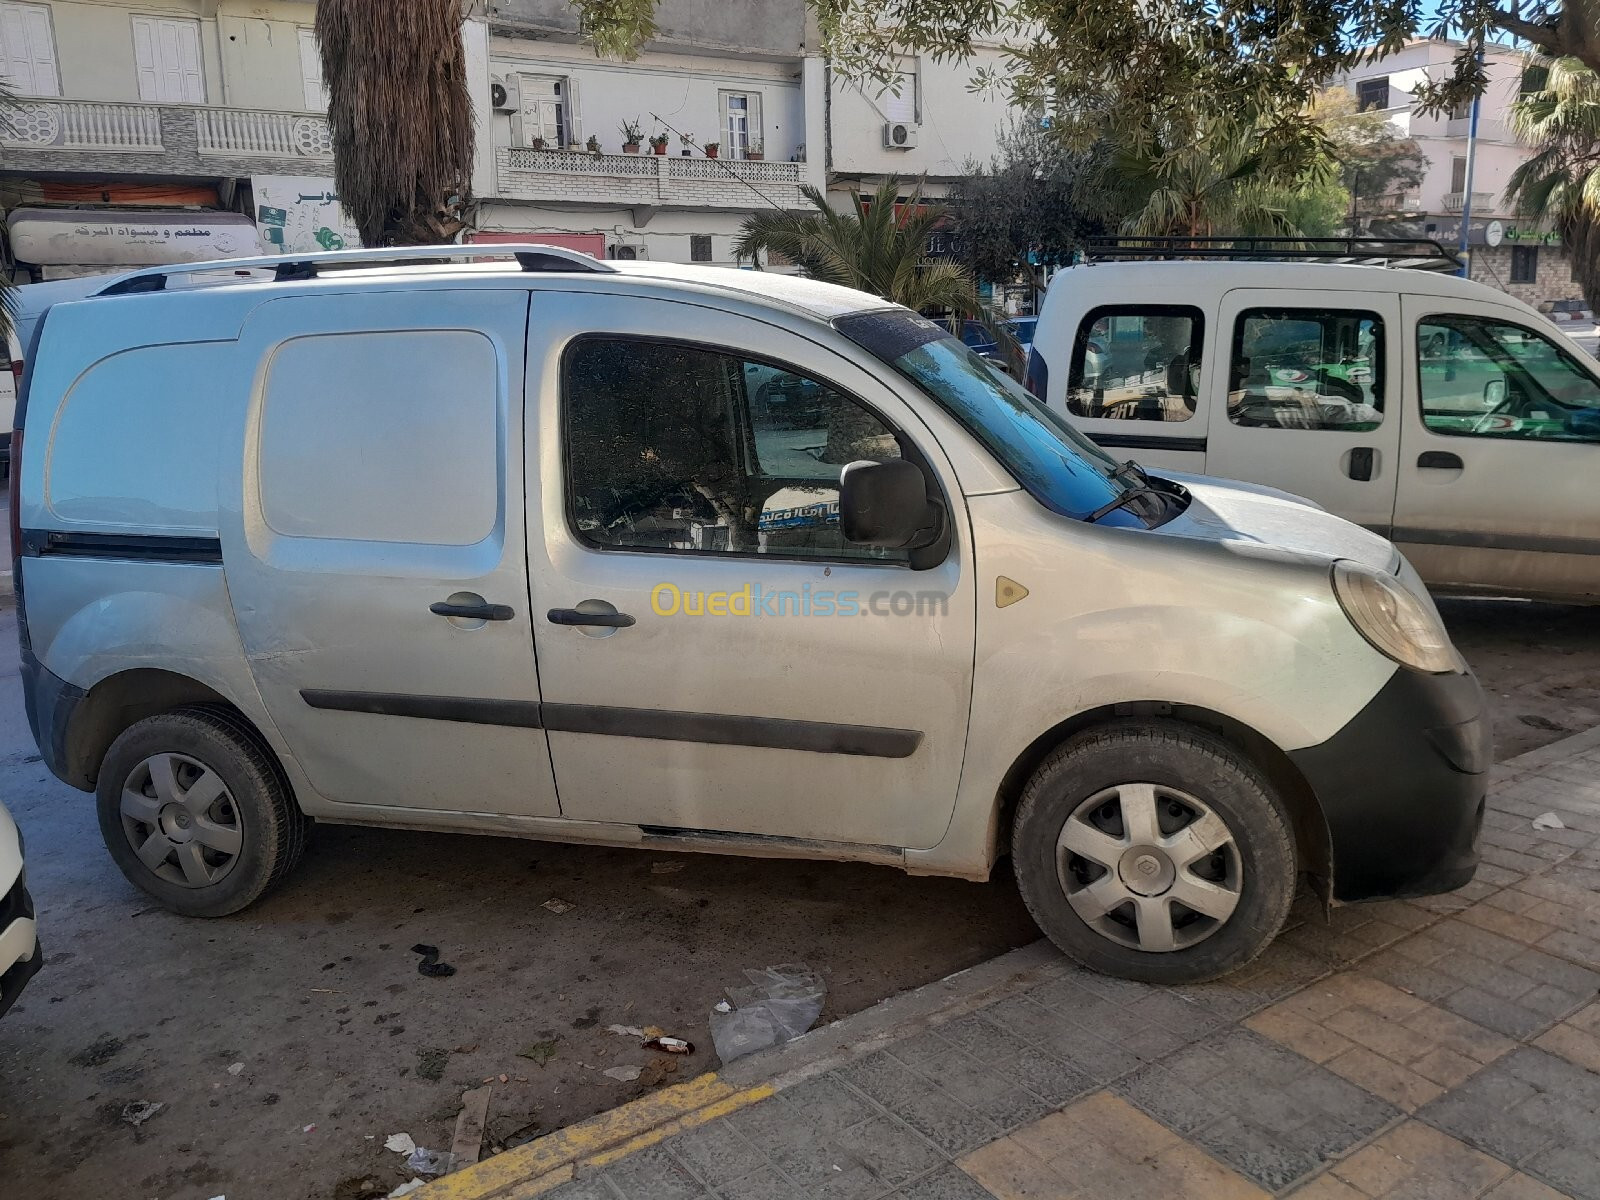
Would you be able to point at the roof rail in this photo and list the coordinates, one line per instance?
(289, 268)
(1417, 253)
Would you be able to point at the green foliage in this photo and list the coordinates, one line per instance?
(1036, 189)
(878, 247)
(1374, 160)
(1561, 182)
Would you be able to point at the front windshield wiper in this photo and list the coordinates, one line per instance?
(1121, 501)
(1131, 468)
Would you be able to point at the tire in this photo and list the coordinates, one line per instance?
(1206, 802)
(199, 784)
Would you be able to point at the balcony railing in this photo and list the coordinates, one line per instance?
(1455, 201)
(647, 179)
(73, 125)
(1393, 202)
(263, 134)
(180, 132)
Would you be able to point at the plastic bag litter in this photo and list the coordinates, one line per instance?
(405, 1189)
(400, 1143)
(781, 1003)
(1548, 821)
(430, 1162)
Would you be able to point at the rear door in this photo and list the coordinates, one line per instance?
(376, 567)
(1497, 476)
(1306, 395)
(1137, 381)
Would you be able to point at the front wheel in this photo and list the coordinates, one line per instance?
(1154, 851)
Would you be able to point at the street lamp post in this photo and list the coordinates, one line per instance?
(1472, 161)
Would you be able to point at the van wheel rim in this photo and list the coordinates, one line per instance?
(181, 820)
(1149, 867)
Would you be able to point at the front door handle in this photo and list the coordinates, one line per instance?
(1360, 463)
(1440, 460)
(576, 616)
(475, 612)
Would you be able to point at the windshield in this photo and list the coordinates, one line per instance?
(1022, 330)
(1060, 467)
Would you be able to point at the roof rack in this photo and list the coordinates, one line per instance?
(288, 268)
(1416, 253)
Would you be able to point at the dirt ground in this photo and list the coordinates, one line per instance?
(340, 1042)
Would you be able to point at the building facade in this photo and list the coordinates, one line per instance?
(156, 131)
(1515, 255)
(166, 131)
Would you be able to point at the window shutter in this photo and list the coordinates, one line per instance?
(311, 71)
(758, 133)
(27, 51)
(902, 108)
(192, 83)
(722, 116)
(145, 59)
(574, 129)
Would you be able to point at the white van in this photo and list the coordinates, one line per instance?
(1438, 412)
(520, 542)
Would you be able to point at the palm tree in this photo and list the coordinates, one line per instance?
(8, 291)
(1561, 182)
(400, 113)
(880, 247)
(1207, 176)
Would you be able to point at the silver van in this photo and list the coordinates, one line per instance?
(508, 540)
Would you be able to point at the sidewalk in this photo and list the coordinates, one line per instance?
(1447, 1047)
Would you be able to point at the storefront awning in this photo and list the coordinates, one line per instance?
(127, 238)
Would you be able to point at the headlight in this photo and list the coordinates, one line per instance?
(1397, 624)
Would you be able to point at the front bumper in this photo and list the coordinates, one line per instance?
(20, 956)
(1402, 787)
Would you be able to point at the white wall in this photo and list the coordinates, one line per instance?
(955, 125)
(681, 89)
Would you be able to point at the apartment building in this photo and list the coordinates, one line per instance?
(162, 131)
(156, 131)
(1513, 254)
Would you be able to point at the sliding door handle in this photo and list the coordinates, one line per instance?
(1439, 460)
(576, 616)
(473, 612)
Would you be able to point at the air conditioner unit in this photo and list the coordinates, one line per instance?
(503, 95)
(628, 251)
(899, 135)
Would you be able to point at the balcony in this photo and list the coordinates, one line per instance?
(1453, 202)
(646, 181)
(155, 139)
(1393, 202)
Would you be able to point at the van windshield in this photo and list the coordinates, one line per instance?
(1061, 468)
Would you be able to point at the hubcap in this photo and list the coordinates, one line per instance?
(1149, 867)
(181, 821)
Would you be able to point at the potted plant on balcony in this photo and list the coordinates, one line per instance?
(658, 143)
(537, 143)
(685, 141)
(593, 144)
(632, 134)
(710, 148)
(753, 152)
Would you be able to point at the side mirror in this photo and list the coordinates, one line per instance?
(885, 504)
(1494, 393)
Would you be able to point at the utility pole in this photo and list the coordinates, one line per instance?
(1472, 162)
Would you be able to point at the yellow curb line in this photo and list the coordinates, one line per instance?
(604, 1138)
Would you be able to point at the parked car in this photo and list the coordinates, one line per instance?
(1565, 312)
(939, 625)
(20, 957)
(1430, 409)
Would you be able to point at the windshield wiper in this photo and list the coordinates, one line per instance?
(1131, 468)
(1121, 501)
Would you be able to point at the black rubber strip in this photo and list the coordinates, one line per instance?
(139, 547)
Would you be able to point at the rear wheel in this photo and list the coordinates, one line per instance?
(1154, 851)
(195, 811)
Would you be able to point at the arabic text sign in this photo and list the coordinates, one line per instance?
(300, 214)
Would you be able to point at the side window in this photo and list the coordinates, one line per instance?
(1486, 378)
(1138, 363)
(680, 448)
(1304, 368)
(382, 437)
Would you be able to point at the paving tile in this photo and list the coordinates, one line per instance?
(951, 1126)
(594, 1187)
(1521, 1105)
(716, 1152)
(826, 1105)
(1522, 1187)
(1401, 1087)
(881, 1077)
(947, 1183)
(994, 1093)
(653, 1174)
(1309, 1038)
(1008, 1171)
(1328, 1187)
(764, 1183)
(889, 1150)
(1493, 1012)
(1414, 1159)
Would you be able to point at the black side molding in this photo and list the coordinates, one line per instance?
(716, 729)
(140, 547)
(1146, 441)
(1540, 543)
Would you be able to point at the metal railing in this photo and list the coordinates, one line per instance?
(1453, 202)
(648, 178)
